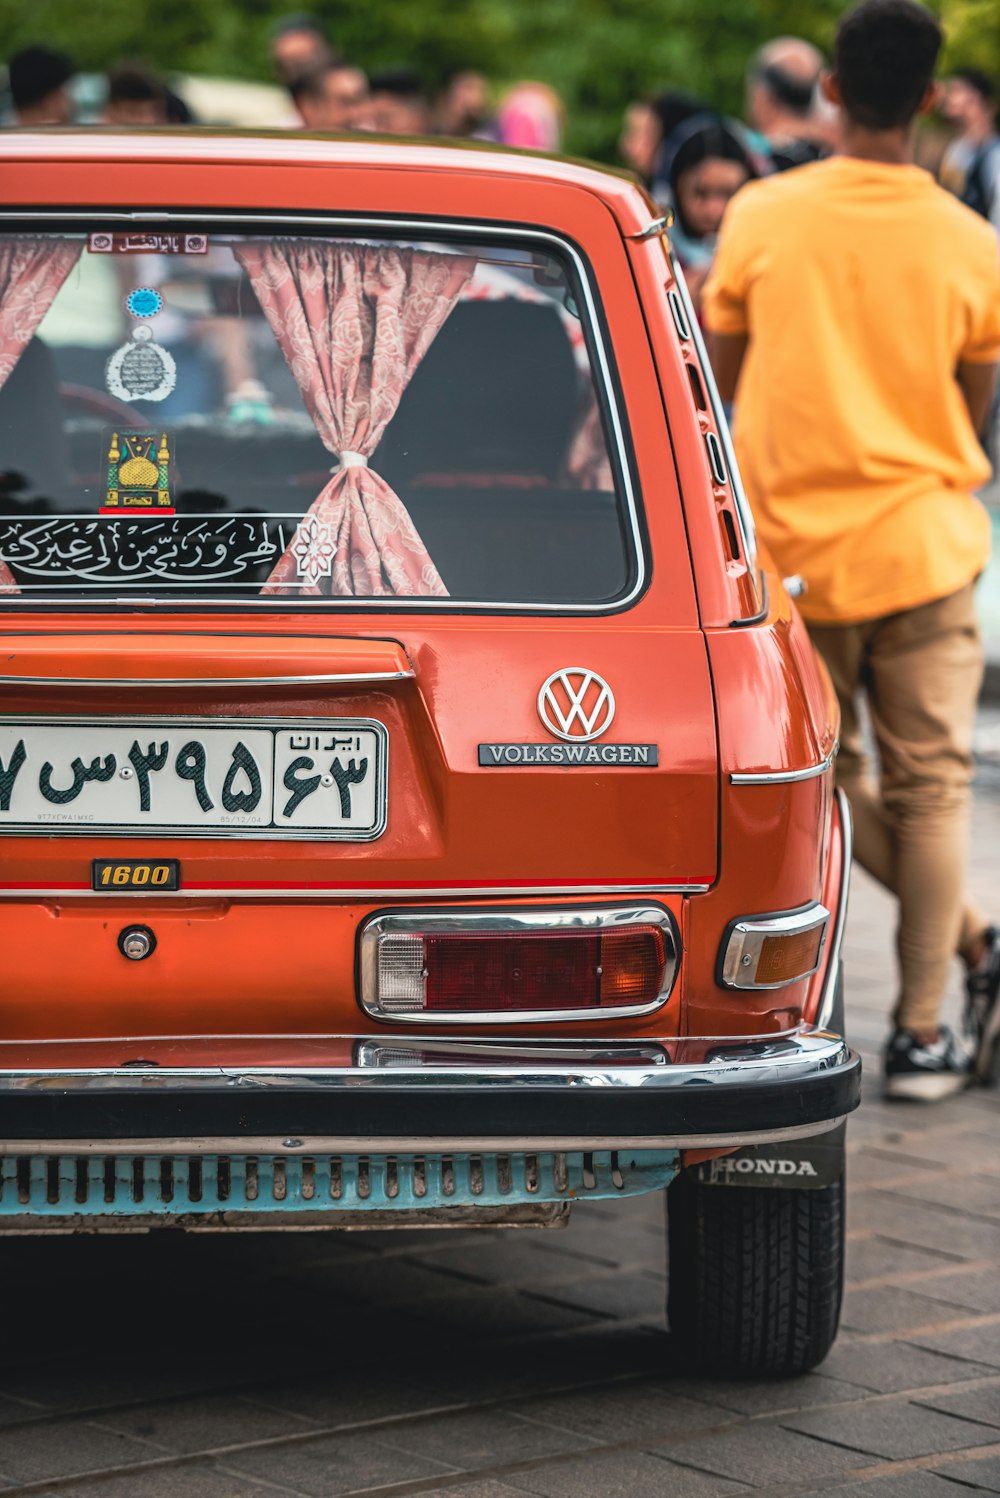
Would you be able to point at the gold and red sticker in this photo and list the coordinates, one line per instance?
(138, 474)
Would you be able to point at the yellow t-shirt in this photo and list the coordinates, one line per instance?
(861, 287)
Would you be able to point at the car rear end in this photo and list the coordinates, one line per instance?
(374, 851)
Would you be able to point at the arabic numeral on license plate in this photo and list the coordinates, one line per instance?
(190, 765)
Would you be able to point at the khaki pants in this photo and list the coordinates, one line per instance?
(920, 672)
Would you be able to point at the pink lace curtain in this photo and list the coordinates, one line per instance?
(354, 321)
(588, 465)
(31, 272)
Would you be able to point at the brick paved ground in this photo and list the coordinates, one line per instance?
(491, 1365)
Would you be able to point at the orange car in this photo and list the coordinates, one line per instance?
(415, 791)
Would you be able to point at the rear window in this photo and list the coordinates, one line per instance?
(191, 417)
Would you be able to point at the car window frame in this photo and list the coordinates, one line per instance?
(604, 372)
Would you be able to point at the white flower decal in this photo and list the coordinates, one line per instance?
(313, 550)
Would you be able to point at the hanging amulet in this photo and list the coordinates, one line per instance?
(141, 370)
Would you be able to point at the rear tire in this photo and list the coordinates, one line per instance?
(756, 1275)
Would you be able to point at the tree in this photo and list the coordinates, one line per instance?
(599, 54)
(972, 28)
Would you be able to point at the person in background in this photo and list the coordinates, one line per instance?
(179, 112)
(648, 123)
(854, 311)
(531, 115)
(38, 80)
(135, 96)
(336, 98)
(970, 167)
(299, 46)
(464, 106)
(399, 104)
(708, 167)
(784, 105)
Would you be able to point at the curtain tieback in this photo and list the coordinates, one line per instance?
(348, 459)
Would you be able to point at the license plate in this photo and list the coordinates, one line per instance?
(309, 778)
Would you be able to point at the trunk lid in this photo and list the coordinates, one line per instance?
(260, 935)
(480, 794)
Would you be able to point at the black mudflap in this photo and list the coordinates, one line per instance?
(810, 1163)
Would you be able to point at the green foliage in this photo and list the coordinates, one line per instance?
(601, 53)
(597, 53)
(973, 32)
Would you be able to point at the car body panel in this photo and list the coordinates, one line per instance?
(255, 962)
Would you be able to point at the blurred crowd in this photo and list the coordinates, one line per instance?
(325, 91)
(692, 158)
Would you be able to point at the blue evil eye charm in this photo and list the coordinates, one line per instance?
(144, 301)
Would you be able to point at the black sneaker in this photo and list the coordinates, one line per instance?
(924, 1073)
(982, 1011)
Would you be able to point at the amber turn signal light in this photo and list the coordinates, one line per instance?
(773, 951)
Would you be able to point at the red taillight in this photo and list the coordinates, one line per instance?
(495, 973)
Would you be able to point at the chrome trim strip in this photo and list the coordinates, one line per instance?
(365, 1145)
(784, 777)
(483, 921)
(216, 682)
(358, 892)
(765, 607)
(150, 631)
(415, 227)
(747, 937)
(655, 227)
(426, 1061)
(824, 1012)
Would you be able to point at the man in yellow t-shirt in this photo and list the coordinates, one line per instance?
(853, 311)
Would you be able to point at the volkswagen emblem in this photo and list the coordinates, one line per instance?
(576, 704)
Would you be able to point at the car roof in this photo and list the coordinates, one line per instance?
(618, 189)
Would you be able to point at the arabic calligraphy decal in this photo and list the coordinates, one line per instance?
(141, 370)
(147, 244)
(64, 552)
(143, 301)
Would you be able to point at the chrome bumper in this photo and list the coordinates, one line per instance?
(398, 1094)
